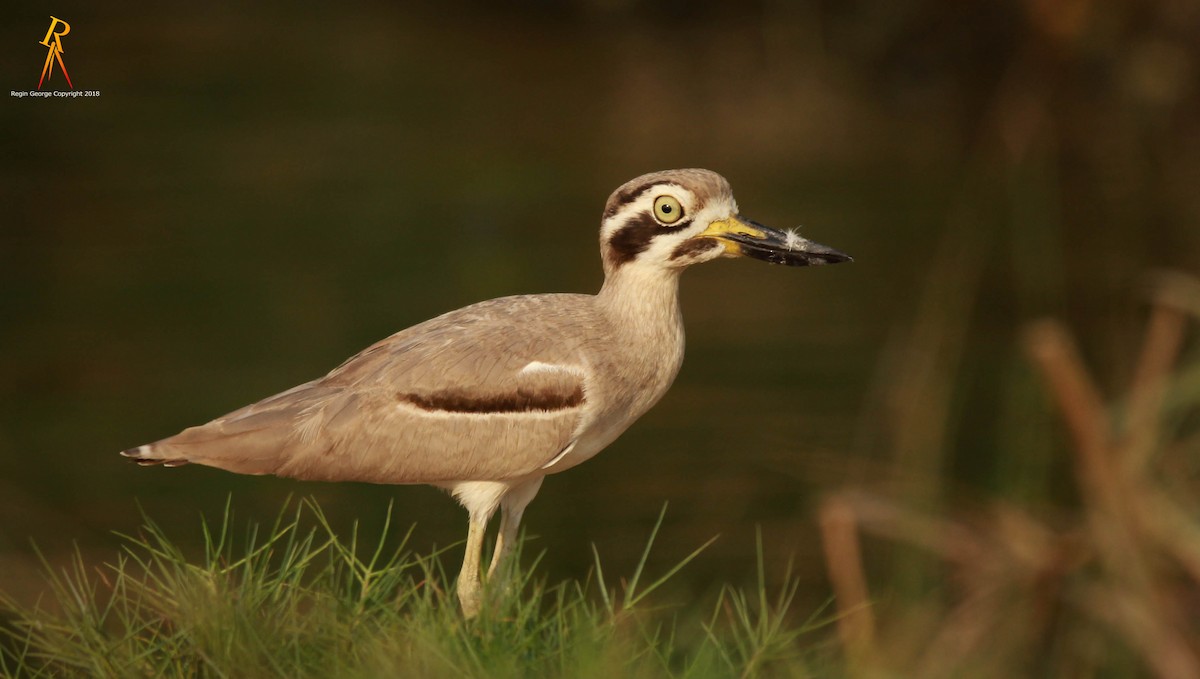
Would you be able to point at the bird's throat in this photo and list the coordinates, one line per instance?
(642, 304)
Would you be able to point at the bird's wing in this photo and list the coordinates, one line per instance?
(491, 391)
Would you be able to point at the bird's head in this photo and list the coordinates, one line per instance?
(673, 219)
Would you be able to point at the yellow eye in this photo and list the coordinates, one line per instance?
(667, 209)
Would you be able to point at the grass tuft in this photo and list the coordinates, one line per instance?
(294, 598)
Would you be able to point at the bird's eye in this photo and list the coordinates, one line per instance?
(667, 209)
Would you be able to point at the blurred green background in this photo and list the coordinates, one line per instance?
(260, 192)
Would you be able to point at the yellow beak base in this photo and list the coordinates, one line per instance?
(732, 226)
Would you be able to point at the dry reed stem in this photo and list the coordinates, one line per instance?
(1108, 494)
(1120, 507)
(1053, 350)
(1031, 545)
(1177, 290)
(1175, 530)
(843, 559)
(964, 629)
(1164, 338)
(948, 540)
(1163, 646)
(961, 634)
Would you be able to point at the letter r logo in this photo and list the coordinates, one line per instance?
(54, 55)
(54, 22)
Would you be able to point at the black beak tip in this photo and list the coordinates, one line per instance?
(837, 257)
(815, 254)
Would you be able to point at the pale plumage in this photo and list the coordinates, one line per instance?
(486, 400)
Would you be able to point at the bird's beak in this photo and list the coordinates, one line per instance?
(746, 237)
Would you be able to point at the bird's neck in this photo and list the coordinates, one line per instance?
(643, 303)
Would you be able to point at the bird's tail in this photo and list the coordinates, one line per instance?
(152, 454)
(256, 439)
(244, 452)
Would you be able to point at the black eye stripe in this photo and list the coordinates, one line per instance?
(634, 236)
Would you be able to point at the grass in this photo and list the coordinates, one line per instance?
(295, 599)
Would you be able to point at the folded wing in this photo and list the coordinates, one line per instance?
(491, 391)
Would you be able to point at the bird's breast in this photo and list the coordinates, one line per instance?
(626, 379)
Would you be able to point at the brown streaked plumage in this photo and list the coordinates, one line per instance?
(487, 400)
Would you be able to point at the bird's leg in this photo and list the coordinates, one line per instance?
(506, 539)
(468, 577)
(512, 509)
(481, 498)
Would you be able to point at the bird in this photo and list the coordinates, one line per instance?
(487, 400)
